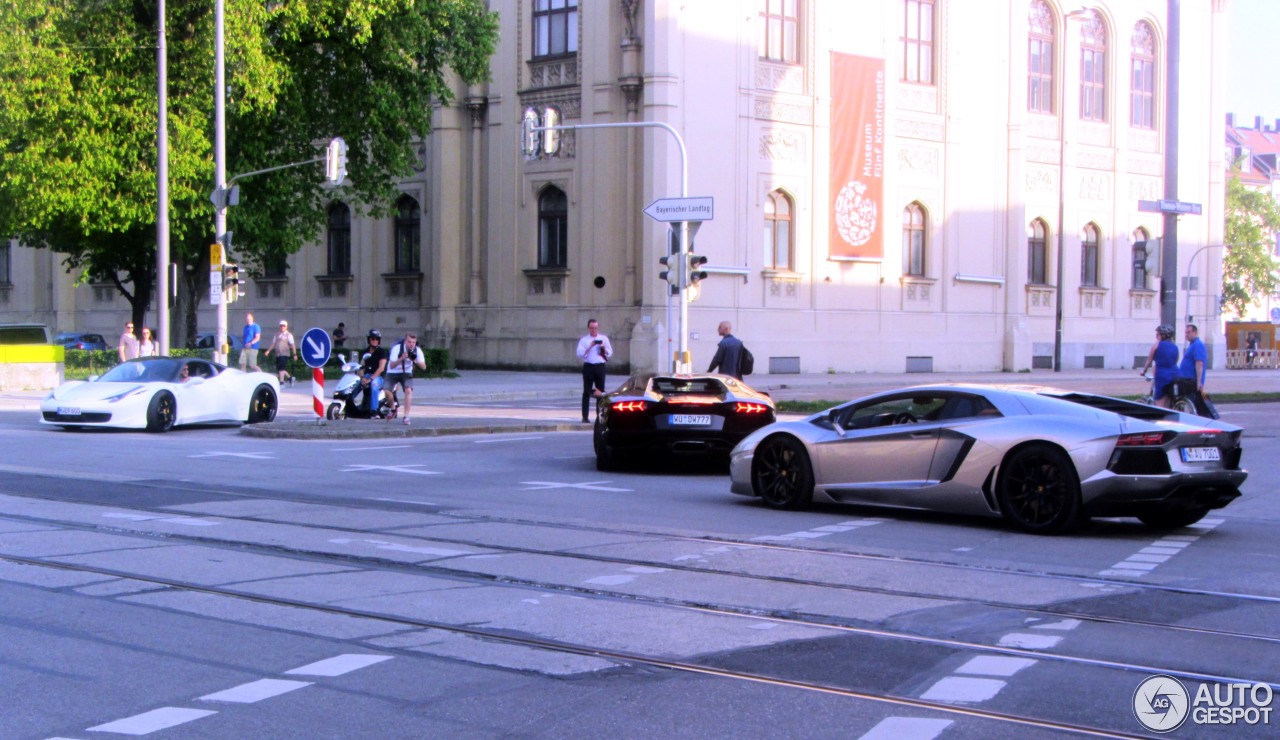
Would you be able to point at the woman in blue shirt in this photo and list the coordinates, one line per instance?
(1164, 355)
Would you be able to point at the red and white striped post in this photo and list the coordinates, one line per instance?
(315, 349)
(317, 392)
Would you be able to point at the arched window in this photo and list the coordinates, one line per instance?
(1037, 253)
(408, 234)
(1142, 89)
(913, 240)
(778, 234)
(4, 263)
(1089, 257)
(780, 30)
(1093, 69)
(1040, 59)
(553, 229)
(339, 239)
(1140, 252)
(917, 42)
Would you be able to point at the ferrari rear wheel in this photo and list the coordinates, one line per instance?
(1173, 518)
(161, 412)
(1038, 490)
(781, 474)
(262, 407)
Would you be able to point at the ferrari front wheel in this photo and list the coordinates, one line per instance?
(1038, 490)
(161, 412)
(781, 474)
(262, 406)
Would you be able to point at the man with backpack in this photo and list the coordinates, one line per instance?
(729, 353)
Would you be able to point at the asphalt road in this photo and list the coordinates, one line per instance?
(498, 585)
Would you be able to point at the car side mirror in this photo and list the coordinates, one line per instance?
(194, 381)
(94, 377)
(834, 417)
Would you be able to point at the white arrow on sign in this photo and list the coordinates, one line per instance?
(682, 209)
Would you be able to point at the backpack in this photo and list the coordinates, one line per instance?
(746, 362)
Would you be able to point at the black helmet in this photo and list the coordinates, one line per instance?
(1165, 331)
(375, 334)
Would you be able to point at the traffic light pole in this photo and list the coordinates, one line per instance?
(220, 167)
(680, 360)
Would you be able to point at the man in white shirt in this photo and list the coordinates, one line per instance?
(405, 355)
(594, 350)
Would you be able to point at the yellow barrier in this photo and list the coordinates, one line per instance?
(10, 353)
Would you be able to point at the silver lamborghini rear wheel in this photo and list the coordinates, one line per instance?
(1038, 490)
(781, 473)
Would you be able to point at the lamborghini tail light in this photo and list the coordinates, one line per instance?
(626, 406)
(747, 407)
(1144, 439)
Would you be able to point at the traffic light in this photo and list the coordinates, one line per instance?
(335, 161)
(696, 273)
(231, 281)
(672, 273)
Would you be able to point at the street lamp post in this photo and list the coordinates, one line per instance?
(1062, 187)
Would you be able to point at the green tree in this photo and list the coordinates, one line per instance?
(1249, 268)
(78, 120)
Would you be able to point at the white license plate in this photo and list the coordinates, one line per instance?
(1200, 454)
(691, 420)
(68, 411)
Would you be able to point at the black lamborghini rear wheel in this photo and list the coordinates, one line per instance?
(781, 474)
(1038, 490)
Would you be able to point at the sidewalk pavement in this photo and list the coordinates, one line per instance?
(438, 405)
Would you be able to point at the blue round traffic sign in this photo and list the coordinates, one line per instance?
(315, 347)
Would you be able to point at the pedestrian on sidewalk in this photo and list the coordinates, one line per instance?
(340, 336)
(728, 356)
(285, 348)
(128, 348)
(148, 347)
(594, 350)
(1192, 370)
(1164, 355)
(405, 355)
(249, 342)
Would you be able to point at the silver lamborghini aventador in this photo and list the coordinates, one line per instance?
(1044, 459)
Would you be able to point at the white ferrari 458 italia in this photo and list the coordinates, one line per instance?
(159, 393)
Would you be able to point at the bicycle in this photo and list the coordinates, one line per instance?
(1180, 403)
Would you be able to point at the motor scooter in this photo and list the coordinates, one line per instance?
(349, 397)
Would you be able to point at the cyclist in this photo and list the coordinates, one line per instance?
(1164, 355)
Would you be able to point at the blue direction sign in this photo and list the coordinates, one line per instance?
(316, 347)
(1169, 206)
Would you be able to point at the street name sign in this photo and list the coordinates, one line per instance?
(668, 210)
(1169, 206)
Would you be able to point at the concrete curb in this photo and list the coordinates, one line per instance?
(392, 429)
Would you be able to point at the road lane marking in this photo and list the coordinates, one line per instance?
(256, 691)
(249, 455)
(406, 501)
(907, 728)
(153, 721)
(1145, 560)
(823, 531)
(956, 690)
(995, 665)
(370, 449)
(397, 547)
(338, 666)
(595, 485)
(389, 469)
(504, 439)
(1028, 641)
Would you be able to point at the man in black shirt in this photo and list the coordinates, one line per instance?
(372, 369)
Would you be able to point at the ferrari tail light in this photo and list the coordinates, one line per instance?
(1144, 439)
(747, 407)
(79, 345)
(624, 406)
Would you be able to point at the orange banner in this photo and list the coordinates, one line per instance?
(857, 157)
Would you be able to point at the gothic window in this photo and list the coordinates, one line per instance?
(1040, 59)
(339, 239)
(1142, 90)
(553, 229)
(275, 265)
(1093, 69)
(917, 42)
(1037, 253)
(1140, 239)
(1089, 257)
(408, 234)
(4, 264)
(780, 37)
(778, 234)
(913, 240)
(555, 27)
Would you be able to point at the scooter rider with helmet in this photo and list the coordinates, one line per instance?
(372, 371)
